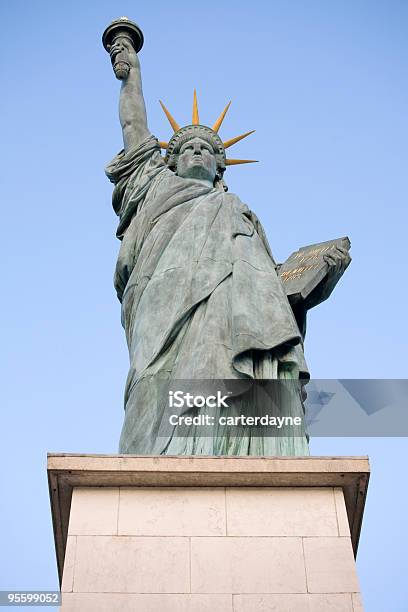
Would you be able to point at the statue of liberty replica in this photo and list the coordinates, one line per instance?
(201, 295)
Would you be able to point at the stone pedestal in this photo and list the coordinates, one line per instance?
(207, 534)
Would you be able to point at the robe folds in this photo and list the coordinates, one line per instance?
(201, 299)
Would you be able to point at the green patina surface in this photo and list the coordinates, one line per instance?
(201, 296)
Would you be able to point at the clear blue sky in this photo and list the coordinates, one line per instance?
(325, 86)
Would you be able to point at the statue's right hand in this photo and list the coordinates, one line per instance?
(122, 51)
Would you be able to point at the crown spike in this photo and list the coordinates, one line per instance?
(229, 143)
(235, 162)
(220, 119)
(171, 119)
(163, 145)
(196, 119)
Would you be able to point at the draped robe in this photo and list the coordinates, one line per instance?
(201, 299)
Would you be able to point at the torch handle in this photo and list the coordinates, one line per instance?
(120, 62)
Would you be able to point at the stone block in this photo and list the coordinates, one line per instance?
(330, 565)
(172, 511)
(247, 565)
(342, 520)
(281, 512)
(340, 602)
(357, 602)
(116, 602)
(94, 511)
(69, 565)
(109, 564)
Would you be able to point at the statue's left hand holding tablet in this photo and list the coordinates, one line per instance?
(337, 261)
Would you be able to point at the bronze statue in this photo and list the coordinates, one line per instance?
(200, 291)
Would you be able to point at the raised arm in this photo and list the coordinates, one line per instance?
(132, 109)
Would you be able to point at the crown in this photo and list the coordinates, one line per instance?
(182, 134)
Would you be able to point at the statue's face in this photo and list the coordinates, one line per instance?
(196, 159)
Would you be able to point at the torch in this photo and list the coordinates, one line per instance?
(122, 28)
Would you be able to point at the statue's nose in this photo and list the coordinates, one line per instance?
(197, 149)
